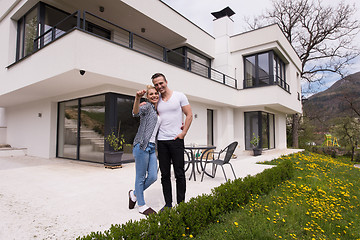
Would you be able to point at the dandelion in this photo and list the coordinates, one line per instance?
(191, 236)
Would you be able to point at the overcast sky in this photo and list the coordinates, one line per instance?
(199, 12)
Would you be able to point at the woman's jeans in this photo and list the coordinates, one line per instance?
(146, 170)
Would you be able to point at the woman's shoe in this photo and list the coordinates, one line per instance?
(131, 202)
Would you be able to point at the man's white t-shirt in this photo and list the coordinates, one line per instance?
(171, 115)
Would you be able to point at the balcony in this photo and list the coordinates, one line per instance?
(100, 27)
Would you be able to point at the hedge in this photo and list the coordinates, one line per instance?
(196, 214)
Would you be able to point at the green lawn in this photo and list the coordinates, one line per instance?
(320, 202)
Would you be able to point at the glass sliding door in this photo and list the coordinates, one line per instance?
(126, 124)
(68, 129)
(260, 124)
(251, 127)
(83, 123)
(264, 130)
(92, 122)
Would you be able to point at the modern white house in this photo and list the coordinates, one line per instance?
(69, 71)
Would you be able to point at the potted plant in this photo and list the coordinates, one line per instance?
(255, 143)
(113, 158)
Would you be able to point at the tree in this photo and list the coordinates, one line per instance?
(347, 129)
(322, 35)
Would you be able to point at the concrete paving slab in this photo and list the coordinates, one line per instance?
(63, 199)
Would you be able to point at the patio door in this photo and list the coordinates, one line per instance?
(262, 125)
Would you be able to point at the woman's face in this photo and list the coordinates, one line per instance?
(153, 96)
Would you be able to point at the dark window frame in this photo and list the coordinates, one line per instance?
(41, 13)
(260, 129)
(275, 75)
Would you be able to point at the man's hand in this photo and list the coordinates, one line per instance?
(180, 136)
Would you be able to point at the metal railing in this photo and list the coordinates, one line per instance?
(128, 39)
(64, 26)
(251, 83)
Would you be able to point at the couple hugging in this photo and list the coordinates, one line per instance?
(161, 123)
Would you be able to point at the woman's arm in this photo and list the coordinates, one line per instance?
(138, 96)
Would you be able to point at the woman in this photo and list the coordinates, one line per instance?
(144, 147)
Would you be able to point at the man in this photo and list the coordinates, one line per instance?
(172, 131)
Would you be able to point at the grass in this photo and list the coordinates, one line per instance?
(320, 202)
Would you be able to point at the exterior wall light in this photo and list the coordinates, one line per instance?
(82, 72)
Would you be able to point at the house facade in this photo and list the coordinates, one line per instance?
(70, 69)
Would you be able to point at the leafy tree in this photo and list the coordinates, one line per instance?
(322, 35)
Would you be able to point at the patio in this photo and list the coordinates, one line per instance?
(64, 199)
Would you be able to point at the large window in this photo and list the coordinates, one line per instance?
(83, 123)
(27, 32)
(43, 24)
(262, 125)
(264, 69)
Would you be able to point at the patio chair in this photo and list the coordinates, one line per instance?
(228, 151)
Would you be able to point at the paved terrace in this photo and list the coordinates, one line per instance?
(63, 199)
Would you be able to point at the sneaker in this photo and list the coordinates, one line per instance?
(131, 202)
(164, 208)
(148, 211)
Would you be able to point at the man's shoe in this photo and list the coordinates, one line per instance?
(131, 202)
(148, 211)
(164, 208)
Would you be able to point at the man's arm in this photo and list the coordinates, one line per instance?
(188, 113)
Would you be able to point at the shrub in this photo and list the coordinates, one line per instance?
(196, 214)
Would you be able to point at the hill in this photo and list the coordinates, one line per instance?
(334, 102)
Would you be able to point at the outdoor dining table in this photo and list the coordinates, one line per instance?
(195, 154)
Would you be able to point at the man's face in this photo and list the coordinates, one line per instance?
(160, 84)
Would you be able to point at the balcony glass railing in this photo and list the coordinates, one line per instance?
(100, 27)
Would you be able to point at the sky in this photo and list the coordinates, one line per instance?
(199, 12)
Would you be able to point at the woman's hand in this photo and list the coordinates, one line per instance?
(140, 94)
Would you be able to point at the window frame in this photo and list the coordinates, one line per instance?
(276, 71)
(248, 135)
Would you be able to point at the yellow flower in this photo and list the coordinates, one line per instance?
(191, 236)
(183, 235)
(236, 223)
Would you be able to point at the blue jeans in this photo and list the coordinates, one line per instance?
(146, 170)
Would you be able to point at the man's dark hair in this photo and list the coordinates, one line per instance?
(156, 75)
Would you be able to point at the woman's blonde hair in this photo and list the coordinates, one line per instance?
(148, 87)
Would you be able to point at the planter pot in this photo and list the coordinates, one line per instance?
(257, 151)
(113, 159)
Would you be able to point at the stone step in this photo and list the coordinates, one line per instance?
(12, 152)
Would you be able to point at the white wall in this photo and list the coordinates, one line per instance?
(33, 126)
(280, 131)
